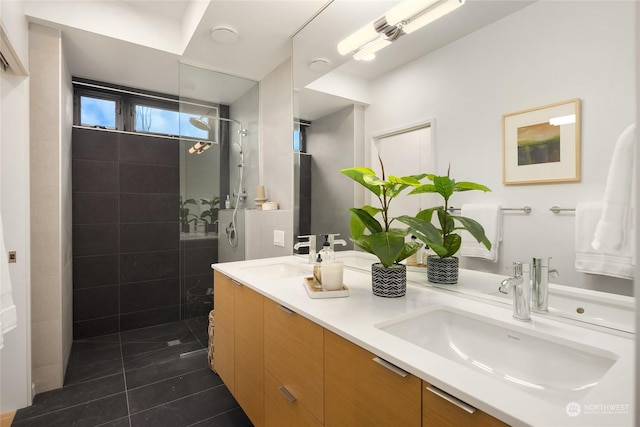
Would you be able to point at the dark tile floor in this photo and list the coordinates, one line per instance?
(157, 376)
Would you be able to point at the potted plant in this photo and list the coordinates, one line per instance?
(388, 277)
(444, 241)
(184, 214)
(210, 214)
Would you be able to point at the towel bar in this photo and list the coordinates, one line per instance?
(556, 209)
(525, 209)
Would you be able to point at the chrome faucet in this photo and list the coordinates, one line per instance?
(333, 241)
(519, 283)
(311, 244)
(540, 274)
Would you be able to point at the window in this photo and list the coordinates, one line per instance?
(132, 110)
(98, 112)
(164, 121)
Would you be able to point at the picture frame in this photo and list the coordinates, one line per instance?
(542, 145)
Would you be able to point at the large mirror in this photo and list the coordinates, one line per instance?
(458, 76)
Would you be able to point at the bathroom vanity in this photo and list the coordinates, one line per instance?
(434, 357)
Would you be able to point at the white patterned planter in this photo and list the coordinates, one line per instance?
(389, 282)
(442, 270)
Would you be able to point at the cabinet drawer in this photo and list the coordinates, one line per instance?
(293, 351)
(442, 409)
(282, 409)
(249, 361)
(360, 391)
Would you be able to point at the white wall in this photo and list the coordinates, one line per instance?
(276, 128)
(276, 152)
(525, 60)
(330, 199)
(637, 278)
(245, 110)
(15, 357)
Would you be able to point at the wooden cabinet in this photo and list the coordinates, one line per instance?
(441, 409)
(223, 339)
(287, 371)
(239, 344)
(293, 361)
(359, 391)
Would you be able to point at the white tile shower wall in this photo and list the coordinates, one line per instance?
(66, 220)
(468, 107)
(50, 245)
(227, 252)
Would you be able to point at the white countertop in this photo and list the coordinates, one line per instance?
(609, 403)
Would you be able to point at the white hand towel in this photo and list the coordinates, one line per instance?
(8, 316)
(589, 260)
(616, 226)
(490, 217)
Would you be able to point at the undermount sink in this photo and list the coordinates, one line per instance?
(537, 363)
(280, 270)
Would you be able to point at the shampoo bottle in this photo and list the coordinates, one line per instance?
(227, 203)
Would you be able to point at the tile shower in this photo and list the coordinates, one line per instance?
(131, 269)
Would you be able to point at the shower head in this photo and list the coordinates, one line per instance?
(237, 148)
(200, 123)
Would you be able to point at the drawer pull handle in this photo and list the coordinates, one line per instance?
(452, 399)
(285, 309)
(235, 282)
(390, 366)
(290, 397)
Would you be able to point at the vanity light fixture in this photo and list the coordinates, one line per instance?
(404, 18)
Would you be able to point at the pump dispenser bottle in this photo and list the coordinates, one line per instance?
(317, 273)
(326, 251)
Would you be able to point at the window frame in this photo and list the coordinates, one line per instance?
(126, 107)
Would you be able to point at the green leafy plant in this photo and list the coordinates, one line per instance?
(444, 241)
(184, 211)
(370, 234)
(210, 214)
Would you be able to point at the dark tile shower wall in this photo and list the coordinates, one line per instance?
(126, 240)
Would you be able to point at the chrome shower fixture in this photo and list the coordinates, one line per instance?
(200, 123)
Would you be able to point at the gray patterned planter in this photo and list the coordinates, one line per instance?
(442, 270)
(389, 282)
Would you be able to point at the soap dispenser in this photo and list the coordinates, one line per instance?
(326, 251)
(317, 273)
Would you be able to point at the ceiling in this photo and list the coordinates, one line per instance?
(140, 43)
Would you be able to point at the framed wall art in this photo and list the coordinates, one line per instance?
(542, 145)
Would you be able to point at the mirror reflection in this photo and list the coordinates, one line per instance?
(462, 74)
